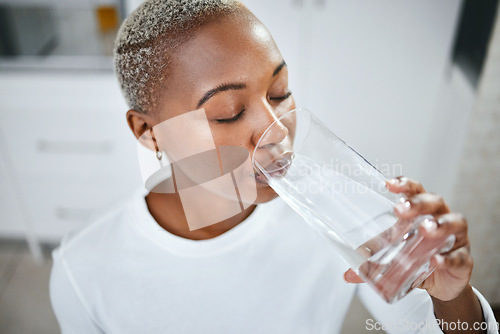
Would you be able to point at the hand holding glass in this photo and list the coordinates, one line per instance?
(344, 198)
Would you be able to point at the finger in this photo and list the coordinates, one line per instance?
(421, 204)
(402, 184)
(460, 258)
(385, 238)
(455, 260)
(451, 273)
(375, 244)
(448, 224)
(351, 277)
(437, 261)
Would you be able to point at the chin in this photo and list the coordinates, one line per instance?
(265, 194)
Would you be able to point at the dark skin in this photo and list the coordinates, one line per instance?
(239, 50)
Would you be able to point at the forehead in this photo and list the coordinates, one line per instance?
(233, 49)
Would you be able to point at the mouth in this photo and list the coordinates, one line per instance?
(276, 169)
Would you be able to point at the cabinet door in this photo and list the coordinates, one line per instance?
(375, 69)
(71, 151)
(286, 20)
(11, 219)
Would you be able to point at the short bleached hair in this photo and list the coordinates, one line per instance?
(147, 39)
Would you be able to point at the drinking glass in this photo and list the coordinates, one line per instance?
(344, 197)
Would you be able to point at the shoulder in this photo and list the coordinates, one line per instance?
(82, 262)
(99, 239)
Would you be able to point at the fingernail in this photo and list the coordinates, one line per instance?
(402, 180)
(392, 182)
(429, 225)
(403, 207)
(439, 261)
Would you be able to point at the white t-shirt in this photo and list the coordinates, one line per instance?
(272, 273)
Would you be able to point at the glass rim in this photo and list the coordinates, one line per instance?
(271, 125)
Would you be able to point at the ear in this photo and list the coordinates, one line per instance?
(139, 122)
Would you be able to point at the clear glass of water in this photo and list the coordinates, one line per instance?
(345, 199)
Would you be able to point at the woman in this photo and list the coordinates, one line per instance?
(142, 269)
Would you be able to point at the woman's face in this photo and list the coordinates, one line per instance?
(234, 71)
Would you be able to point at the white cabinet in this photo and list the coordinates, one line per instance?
(71, 151)
(11, 221)
(370, 69)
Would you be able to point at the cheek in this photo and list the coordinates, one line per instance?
(285, 106)
(184, 136)
(237, 134)
(265, 194)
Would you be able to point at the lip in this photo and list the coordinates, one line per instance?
(277, 169)
(260, 178)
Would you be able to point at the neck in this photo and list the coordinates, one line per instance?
(168, 212)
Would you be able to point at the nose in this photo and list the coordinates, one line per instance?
(270, 130)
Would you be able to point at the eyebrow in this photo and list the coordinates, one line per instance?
(231, 86)
(279, 68)
(218, 89)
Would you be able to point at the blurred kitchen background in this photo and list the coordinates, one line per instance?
(412, 85)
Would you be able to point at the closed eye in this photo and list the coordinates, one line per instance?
(281, 98)
(231, 120)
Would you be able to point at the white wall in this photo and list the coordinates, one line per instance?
(447, 133)
(476, 191)
(370, 69)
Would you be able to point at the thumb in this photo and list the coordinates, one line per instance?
(351, 277)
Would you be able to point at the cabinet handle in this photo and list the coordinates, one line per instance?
(74, 146)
